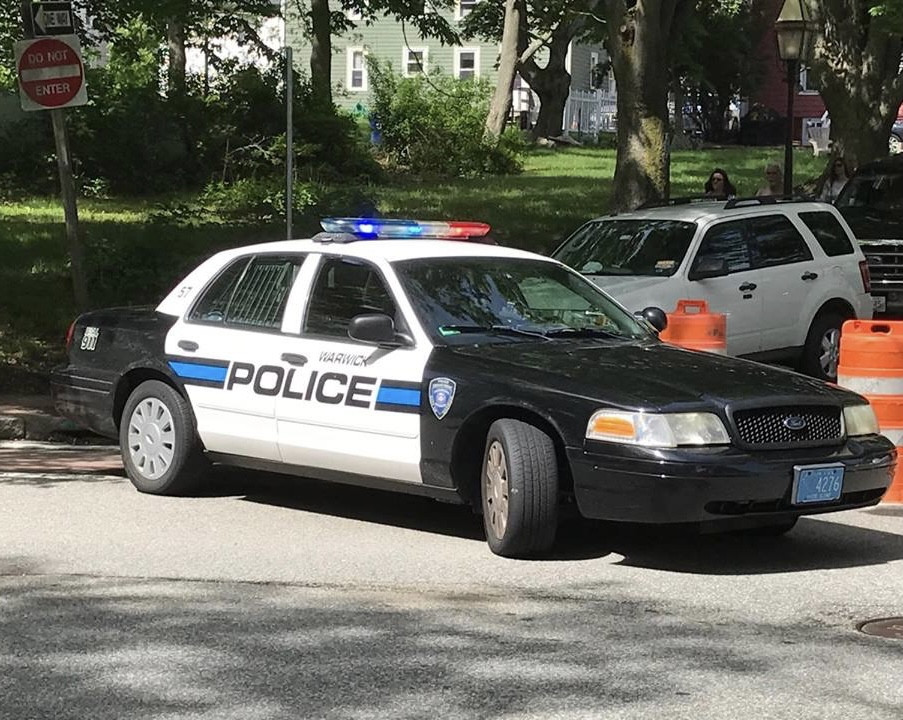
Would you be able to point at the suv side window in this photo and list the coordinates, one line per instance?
(775, 241)
(727, 241)
(250, 293)
(345, 288)
(829, 233)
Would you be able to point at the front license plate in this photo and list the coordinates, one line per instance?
(879, 303)
(817, 483)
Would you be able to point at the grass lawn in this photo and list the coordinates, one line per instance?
(134, 258)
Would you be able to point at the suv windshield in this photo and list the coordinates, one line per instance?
(628, 247)
(510, 299)
(880, 190)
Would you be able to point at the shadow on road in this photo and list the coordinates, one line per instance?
(813, 544)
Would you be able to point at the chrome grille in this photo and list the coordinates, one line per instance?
(799, 425)
(885, 263)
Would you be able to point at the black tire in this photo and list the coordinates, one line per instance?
(523, 522)
(166, 458)
(814, 360)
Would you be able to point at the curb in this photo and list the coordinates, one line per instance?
(33, 418)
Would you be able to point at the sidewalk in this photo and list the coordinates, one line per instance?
(32, 417)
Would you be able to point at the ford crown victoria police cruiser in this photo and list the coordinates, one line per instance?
(465, 372)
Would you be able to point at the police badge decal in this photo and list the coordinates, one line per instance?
(442, 394)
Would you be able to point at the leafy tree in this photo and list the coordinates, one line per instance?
(10, 31)
(857, 65)
(550, 25)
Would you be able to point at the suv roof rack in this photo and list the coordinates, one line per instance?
(685, 200)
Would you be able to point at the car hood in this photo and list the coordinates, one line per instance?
(643, 374)
(637, 292)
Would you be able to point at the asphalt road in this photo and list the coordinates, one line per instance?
(279, 598)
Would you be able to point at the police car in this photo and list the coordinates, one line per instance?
(378, 354)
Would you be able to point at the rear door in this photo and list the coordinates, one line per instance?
(226, 351)
(353, 407)
(788, 278)
(738, 293)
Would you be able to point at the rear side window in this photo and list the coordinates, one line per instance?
(829, 233)
(727, 241)
(250, 293)
(775, 241)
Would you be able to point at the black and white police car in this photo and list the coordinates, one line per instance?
(377, 355)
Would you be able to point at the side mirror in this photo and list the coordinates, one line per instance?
(656, 317)
(376, 329)
(708, 267)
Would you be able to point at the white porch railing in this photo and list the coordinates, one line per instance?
(590, 112)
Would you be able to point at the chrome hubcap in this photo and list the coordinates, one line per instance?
(496, 490)
(151, 438)
(895, 145)
(830, 352)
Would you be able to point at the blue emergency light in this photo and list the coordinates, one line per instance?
(389, 228)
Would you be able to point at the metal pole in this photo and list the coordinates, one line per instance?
(70, 209)
(792, 74)
(289, 76)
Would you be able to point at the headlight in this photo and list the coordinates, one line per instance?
(860, 420)
(657, 430)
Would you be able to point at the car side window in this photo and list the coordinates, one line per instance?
(343, 289)
(776, 241)
(250, 293)
(829, 233)
(726, 241)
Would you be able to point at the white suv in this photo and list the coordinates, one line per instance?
(787, 273)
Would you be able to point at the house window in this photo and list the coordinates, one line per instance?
(806, 83)
(467, 63)
(414, 61)
(357, 69)
(465, 7)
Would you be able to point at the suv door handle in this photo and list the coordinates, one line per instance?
(747, 286)
(808, 275)
(187, 345)
(293, 359)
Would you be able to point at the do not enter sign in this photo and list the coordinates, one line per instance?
(51, 73)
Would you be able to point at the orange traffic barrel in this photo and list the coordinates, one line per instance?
(692, 326)
(871, 364)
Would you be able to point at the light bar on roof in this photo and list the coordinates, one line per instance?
(387, 228)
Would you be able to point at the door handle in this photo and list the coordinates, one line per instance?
(293, 359)
(747, 286)
(187, 345)
(808, 275)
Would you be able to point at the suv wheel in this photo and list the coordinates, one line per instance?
(822, 349)
(895, 144)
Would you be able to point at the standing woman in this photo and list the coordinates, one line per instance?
(838, 175)
(719, 185)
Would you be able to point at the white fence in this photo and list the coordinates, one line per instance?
(590, 112)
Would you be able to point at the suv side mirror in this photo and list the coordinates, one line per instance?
(708, 267)
(655, 316)
(376, 329)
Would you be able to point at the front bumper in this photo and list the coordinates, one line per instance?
(85, 400)
(719, 484)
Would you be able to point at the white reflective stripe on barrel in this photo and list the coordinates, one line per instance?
(871, 385)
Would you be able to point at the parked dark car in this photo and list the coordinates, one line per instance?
(872, 204)
(895, 142)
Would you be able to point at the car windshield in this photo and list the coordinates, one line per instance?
(876, 190)
(511, 299)
(628, 247)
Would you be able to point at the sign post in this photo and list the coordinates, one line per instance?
(52, 77)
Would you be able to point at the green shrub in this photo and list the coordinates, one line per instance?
(435, 126)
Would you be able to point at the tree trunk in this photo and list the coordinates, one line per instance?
(857, 65)
(175, 41)
(551, 83)
(321, 53)
(638, 40)
(515, 14)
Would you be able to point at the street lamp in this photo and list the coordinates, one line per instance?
(793, 34)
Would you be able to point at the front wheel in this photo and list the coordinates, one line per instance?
(822, 349)
(158, 441)
(519, 489)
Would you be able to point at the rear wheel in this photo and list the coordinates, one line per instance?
(519, 489)
(822, 349)
(895, 144)
(158, 441)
